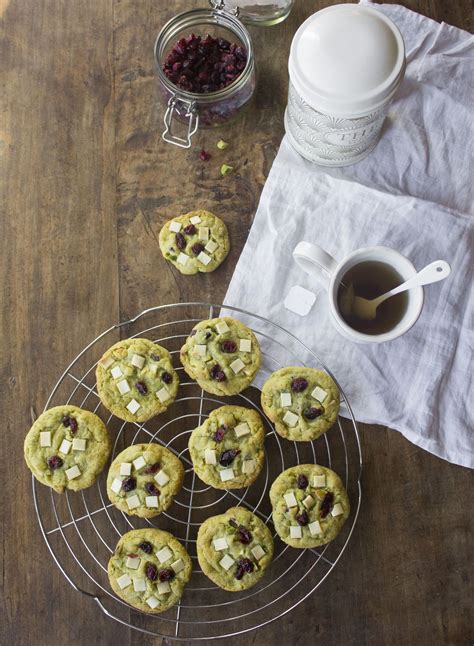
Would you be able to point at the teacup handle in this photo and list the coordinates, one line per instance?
(315, 261)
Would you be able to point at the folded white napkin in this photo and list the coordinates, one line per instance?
(413, 193)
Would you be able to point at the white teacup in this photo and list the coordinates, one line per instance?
(329, 272)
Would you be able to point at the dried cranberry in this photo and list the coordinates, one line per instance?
(146, 547)
(55, 462)
(152, 468)
(299, 384)
(166, 377)
(190, 230)
(326, 504)
(141, 387)
(151, 571)
(302, 481)
(229, 346)
(312, 413)
(71, 422)
(228, 457)
(204, 155)
(243, 566)
(197, 248)
(180, 241)
(151, 489)
(217, 373)
(129, 484)
(219, 434)
(243, 535)
(302, 519)
(166, 575)
(155, 357)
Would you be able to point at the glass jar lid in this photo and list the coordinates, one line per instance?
(256, 12)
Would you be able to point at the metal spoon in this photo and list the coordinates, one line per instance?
(366, 309)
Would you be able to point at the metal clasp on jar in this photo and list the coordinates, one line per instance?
(219, 5)
(191, 116)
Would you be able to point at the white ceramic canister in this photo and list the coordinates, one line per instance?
(346, 63)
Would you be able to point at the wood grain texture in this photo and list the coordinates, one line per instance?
(86, 184)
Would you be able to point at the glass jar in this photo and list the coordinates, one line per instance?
(203, 109)
(260, 12)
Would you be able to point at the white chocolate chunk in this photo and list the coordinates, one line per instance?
(204, 233)
(164, 554)
(211, 247)
(195, 219)
(78, 444)
(295, 531)
(319, 481)
(123, 581)
(290, 418)
(45, 438)
(337, 510)
(258, 552)
(65, 447)
(177, 566)
(220, 544)
(290, 499)
(175, 227)
(163, 587)
(162, 478)
(133, 562)
(309, 502)
(242, 429)
(315, 528)
(285, 399)
(123, 387)
(133, 501)
(226, 474)
(139, 463)
(163, 395)
(153, 367)
(116, 485)
(237, 365)
(133, 406)
(226, 562)
(138, 361)
(245, 345)
(200, 350)
(248, 466)
(151, 501)
(153, 602)
(73, 472)
(319, 394)
(116, 372)
(221, 327)
(210, 456)
(126, 468)
(182, 259)
(204, 258)
(139, 584)
(106, 362)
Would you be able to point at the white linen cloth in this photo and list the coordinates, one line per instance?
(412, 193)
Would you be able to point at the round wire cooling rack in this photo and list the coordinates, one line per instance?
(82, 528)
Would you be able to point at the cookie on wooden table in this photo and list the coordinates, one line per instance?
(67, 447)
(136, 379)
(144, 479)
(149, 569)
(222, 355)
(227, 449)
(195, 242)
(310, 505)
(303, 403)
(234, 549)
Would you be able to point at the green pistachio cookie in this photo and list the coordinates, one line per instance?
(303, 403)
(149, 569)
(67, 448)
(234, 549)
(195, 242)
(136, 379)
(310, 505)
(222, 355)
(143, 480)
(227, 450)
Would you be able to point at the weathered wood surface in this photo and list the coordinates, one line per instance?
(86, 183)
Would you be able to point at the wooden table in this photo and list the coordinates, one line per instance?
(87, 183)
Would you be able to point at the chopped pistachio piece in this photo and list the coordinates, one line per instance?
(221, 144)
(226, 169)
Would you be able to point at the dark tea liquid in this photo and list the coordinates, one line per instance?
(369, 280)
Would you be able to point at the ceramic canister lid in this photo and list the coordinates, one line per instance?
(347, 60)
